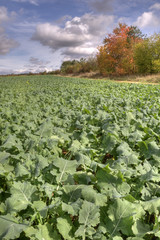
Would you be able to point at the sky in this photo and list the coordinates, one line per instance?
(38, 35)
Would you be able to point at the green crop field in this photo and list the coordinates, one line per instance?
(79, 159)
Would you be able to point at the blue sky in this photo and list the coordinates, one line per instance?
(37, 35)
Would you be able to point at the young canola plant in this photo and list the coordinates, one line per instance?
(79, 159)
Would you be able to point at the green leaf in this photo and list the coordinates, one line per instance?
(75, 146)
(88, 217)
(49, 189)
(73, 192)
(117, 238)
(90, 195)
(82, 159)
(21, 170)
(152, 206)
(31, 232)
(85, 231)
(149, 149)
(152, 175)
(41, 208)
(123, 149)
(150, 190)
(68, 208)
(45, 130)
(109, 142)
(130, 159)
(65, 167)
(10, 228)
(42, 232)
(136, 136)
(64, 226)
(84, 139)
(40, 164)
(72, 207)
(140, 229)
(4, 157)
(123, 188)
(4, 169)
(121, 214)
(57, 139)
(135, 238)
(157, 234)
(108, 182)
(129, 117)
(45, 232)
(12, 141)
(22, 196)
(82, 177)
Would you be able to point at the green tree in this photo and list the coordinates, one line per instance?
(79, 66)
(68, 66)
(147, 55)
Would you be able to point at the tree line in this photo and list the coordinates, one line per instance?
(125, 51)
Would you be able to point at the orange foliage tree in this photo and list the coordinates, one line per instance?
(116, 55)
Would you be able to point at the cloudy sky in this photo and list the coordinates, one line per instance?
(37, 35)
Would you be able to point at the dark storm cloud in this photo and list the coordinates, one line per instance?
(101, 6)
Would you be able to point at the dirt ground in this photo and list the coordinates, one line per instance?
(153, 79)
(152, 83)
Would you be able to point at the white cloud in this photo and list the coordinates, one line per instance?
(33, 68)
(80, 51)
(6, 44)
(147, 19)
(37, 61)
(34, 2)
(3, 14)
(79, 36)
(155, 6)
(23, 28)
(37, 65)
(56, 37)
(24, 70)
(34, 58)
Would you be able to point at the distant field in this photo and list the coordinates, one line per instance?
(79, 159)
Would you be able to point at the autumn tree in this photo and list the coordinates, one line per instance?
(115, 56)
